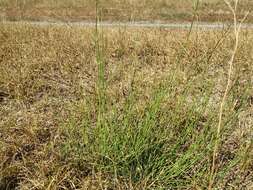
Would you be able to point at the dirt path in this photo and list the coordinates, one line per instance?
(187, 25)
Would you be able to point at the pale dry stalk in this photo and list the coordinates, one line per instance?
(237, 29)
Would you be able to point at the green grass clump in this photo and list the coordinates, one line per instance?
(159, 147)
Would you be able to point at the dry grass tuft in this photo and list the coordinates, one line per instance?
(120, 10)
(162, 94)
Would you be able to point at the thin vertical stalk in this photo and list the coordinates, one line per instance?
(101, 68)
(237, 29)
(196, 6)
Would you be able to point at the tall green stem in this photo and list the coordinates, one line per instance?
(101, 68)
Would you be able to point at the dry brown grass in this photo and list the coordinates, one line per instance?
(120, 10)
(46, 73)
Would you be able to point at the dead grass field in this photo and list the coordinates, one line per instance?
(121, 10)
(162, 92)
